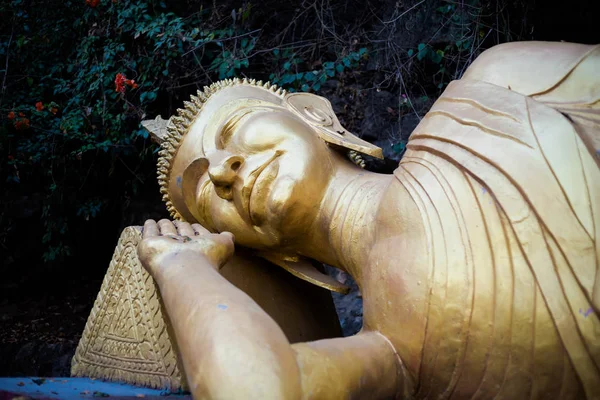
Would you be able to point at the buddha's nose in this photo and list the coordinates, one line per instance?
(223, 175)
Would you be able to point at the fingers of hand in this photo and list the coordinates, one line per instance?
(167, 228)
(184, 228)
(150, 229)
(199, 229)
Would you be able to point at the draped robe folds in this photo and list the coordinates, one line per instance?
(509, 194)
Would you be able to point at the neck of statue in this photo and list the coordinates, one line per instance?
(344, 231)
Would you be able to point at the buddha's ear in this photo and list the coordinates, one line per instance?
(157, 128)
(318, 112)
(303, 268)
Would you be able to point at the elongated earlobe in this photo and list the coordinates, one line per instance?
(303, 268)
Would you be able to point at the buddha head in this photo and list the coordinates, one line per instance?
(251, 159)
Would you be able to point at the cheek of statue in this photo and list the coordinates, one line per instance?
(294, 197)
(227, 218)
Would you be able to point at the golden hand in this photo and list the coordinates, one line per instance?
(166, 242)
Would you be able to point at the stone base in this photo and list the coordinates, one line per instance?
(126, 337)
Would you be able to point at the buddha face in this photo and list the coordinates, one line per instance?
(266, 177)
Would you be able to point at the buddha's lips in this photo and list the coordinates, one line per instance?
(251, 180)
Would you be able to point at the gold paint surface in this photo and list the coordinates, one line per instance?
(478, 259)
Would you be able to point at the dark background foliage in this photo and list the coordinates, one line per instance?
(76, 167)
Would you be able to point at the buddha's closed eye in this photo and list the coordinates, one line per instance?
(229, 127)
(234, 122)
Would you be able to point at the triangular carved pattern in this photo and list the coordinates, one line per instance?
(126, 336)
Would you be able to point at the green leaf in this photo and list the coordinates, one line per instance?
(411, 52)
(339, 68)
(147, 97)
(436, 56)
(310, 76)
(142, 132)
(423, 51)
(287, 78)
(398, 147)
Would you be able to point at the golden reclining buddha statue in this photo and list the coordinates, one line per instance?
(477, 258)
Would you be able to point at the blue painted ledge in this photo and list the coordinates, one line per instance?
(78, 389)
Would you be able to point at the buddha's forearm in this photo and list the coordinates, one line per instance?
(230, 347)
(364, 366)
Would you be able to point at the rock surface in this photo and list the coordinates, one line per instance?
(348, 306)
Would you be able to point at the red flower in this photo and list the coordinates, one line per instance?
(92, 3)
(121, 81)
(22, 124)
(11, 115)
(21, 114)
(39, 106)
(54, 110)
(10, 158)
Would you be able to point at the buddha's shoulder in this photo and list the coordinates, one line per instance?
(480, 120)
(533, 67)
(512, 146)
(480, 139)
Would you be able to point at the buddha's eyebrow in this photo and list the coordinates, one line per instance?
(228, 129)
